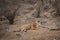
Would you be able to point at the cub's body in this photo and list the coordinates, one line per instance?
(26, 27)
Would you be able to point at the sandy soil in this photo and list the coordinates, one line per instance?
(40, 34)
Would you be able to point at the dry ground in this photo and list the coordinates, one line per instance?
(40, 34)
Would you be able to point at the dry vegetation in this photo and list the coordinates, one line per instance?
(29, 19)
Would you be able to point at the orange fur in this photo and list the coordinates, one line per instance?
(30, 26)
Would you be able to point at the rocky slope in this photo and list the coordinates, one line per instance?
(26, 15)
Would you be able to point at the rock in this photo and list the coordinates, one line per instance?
(26, 11)
(8, 9)
(51, 23)
(45, 10)
(45, 13)
(3, 30)
(13, 28)
(3, 20)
